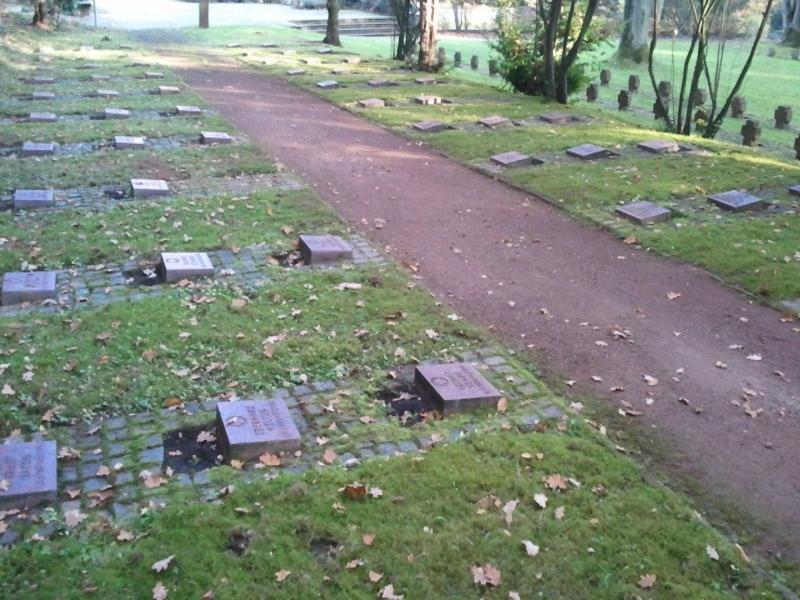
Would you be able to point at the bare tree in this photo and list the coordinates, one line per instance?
(405, 13)
(635, 30)
(427, 34)
(332, 30)
(39, 12)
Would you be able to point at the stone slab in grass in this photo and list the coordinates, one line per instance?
(352, 60)
(428, 100)
(129, 142)
(38, 148)
(247, 429)
(494, 122)
(425, 80)
(166, 90)
(659, 146)
(328, 84)
(380, 83)
(322, 249)
(293, 72)
(188, 111)
(42, 96)
(153, 75)
(512, 159)
(644, 212)
(26, 199)
(340, 71)
(324, 50)
(455, 387)
(175, 266)
(311, 60)
(29, 472)
(558, 118)
(431, 126)
(42, 117)
(106, 93)
(795, 189)
(149, 188)
(116, 113)
(589, 152)
(33, 286)
(215, 137)
(372, 103)
(39, 80)
(98, 77)
(736, 201)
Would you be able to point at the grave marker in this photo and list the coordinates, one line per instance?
(457, 58)
(322, 249)
(25, 199)
(700, 97)
(783, 116)
(441, 56)
(39, 80)
(474, 62)
(624, 100)
(106, 93)
(659, 146)
(165, 90)
(795, 189)
(175, 266)
(380, 83)
(592, 92)
(42, 117)
(425, 80)
(153, 75)
(188, 111)
(129, 142)
(149, 188)
(96, 77)
(512, 159)
(605, 77)
(30, 471)
(455, 387)
(751, 131)
(38, 148)
(311, 60)
(293, 72)
(247, 429)
(42, 95)
(116, 113)
(644, 213)
(557, 118)
(428, 100)
(215, 137)
(371, 103)
(494, 69)
(634, 83)
(352, 60)
(797, 147)
(660, 110)
(665, 89)
(324, 50)
(589, 152)
(736, 201)
(328, 84)
(494, 122)
(33, 286)
(432, 126)
(738, 106)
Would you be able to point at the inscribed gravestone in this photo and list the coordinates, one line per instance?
(634, 83)
(659, 146)
(153, 75)
(557, 118)
(644, 212)
(247, 429)
(736, 201)
(149, 188)
(293, 72)
(24, 199)
(188, 111)
(33, 286)
(512, 159)
(116, 113)
(589, 152)
(106, 93)
(42, 117)
(592, 92)
(328, 84)
(623, 100)
(168, 89)
(42, 96)
(129, 142)
(455, 387)
(371, 103)
(175, 266)
(494, 122)
(605, 77)
(321, 249)
(432, 126)
(665, 89)
(29, 473)
(215, 137)
(38, 148)
(473, 62)
(738, 106)
(700, 97)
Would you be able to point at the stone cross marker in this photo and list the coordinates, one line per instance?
(592, 92)
(783, 116)
(644, 213)
(322, 249)
(215, 137)
(605, 77)
(247, 429)
(29, 473)
(24, 199)
(33, 286)
(624, 100)
(116, 113)
(736, 201)
(455, 387)
(175, 266)
(149, 188)
(738, 106)
(432, 126)
(751, 131)
(634, 83)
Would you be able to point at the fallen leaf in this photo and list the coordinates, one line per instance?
(531, 548)
(270, 460)
(486, 575)
(388, 593)
(368, 539)
(124, 536)
(73, 518)
(556, 481)
(159, 592)
(502, 405)
(162, 565)
(508, 510)
(647, 581)
(375, 577)
(541, 500)
(355, 491)
(281, 575)
(329, 456)
(712, 552)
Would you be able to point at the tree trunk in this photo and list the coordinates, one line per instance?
(550, 33)
(332, 31)
(456, 16)
(633, 43)
(427, 34)
(796, 18)
(40, 13)
(786, 7)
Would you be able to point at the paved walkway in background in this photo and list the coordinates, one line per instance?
(592, 309)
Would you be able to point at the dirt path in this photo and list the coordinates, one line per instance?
(508, 261)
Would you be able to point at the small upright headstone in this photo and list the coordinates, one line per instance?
(738, 106)
(149, 188)
(659, 146)
(660, 109)
(751, 132)
(116, 113)
(129, 142)
(428, 100)
(589, 152)
(26, 199)
(700, 97)
(771, 52)
(215, 137)
(624, 100)
(457, 58)
(512, 159)
(494, 122)
(247, 429)
(665, 89)
(592, 92)
(634, 83)
(493, 67)
(783, 116)
(38, 148)
(371, 103)
(32, 286)
(432, 126)
(605, 77)
(441, 56)
(644, 213)
(736, 201)
(455, 387)
(188, 111)
(175, 266)
(29, 472)
(42, 117)
(168, 89)
(322, 249)
(473, 62)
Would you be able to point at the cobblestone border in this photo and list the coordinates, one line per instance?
(135, 443)
(250, 268)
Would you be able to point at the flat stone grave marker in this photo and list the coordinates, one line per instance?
(512, 159)
(311, 61)
(425, 80)
(29, 470)
(324, 51)
(106, 93)
(644, 212)
(292, 72)
(321, 249)
(634, 83)
(353, 60)
(24, 199)
(795, 189)
(736, 201)
(116, 113)
(138, 64)
(153, 75)
(659, 146)
(38, 148)
(38, 80)
(494, 122)
(557, 118)
(188, 111)
(149, 188)
(328, 84)
(175, 266)
(42, 95)
(380, 83)
(215, 137)
(129, 142)
(100, 77)
(247, 429)
(428, 100)
(589, 152)
(33, 286)
(42, 117)
(371, 103)
(429, 126)
(269, 45)
(455, 387)
(233, 45)
(168, 89)
(339, 71)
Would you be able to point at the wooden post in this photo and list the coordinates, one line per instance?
(203, 14)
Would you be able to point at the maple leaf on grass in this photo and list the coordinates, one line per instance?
(486, 575)
(647, 581)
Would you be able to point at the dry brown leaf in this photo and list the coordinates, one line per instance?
(355, 491)
(556, 481)
(162, 565)
(329, 456)
(368, 539)
(530, 548)
(375, 577)
(270, 460)
(124, 536)
(502, 405)
(508, 510)
(281, 575)
(647, 581)
(388, 593)
(73, 518)
(159, 592)
(486, 575)
(103, 471)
